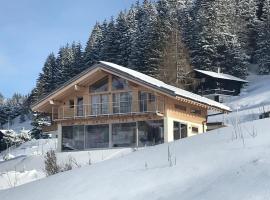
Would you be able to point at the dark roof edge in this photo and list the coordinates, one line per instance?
(240, 79)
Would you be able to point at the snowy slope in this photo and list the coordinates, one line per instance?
(253, 100)
(210, 166)
(28, 162)
(17, 126)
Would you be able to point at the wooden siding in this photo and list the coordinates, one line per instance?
(172, 112)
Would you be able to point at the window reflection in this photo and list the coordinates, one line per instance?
(119, 83)
(100, 86)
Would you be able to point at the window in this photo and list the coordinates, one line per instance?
(195, 129)
(71, 103)
(97, 136)
(179, 130)
(122, 102)
(100, 104)
(143, 101)
(195, 111)
(73, 137)
(150, 132)
(151, 98)
(176, 130)
(80, 107)
(119, 83)
(124, 135)
(180, 107)
(100, 86)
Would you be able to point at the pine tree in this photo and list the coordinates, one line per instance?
(93, 46)
(122, 37)
(50, 74)
(65, 61)
(145, 54)
(109, 50)
(77, 64)
(1, 99)
(263, 41)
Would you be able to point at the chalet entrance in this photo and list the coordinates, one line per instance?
(179, 130)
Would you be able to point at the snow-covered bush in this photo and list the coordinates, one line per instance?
(51, 166)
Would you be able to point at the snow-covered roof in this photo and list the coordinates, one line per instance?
(220, 75)
(8, 132)
(172, 90)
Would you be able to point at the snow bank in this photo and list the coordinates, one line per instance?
(15, 178)
(30, 157)
(210, 166)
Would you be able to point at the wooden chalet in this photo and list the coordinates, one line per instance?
(216, 85)
(110, 106)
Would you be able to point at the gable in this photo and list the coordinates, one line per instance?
(97, 82)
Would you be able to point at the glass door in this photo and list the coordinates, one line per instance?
(80, 106)
(122, 102)
(179, 130)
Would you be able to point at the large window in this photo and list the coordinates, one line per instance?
(73, 137)
(122, 102)
(100, 104)
(100, 86)
(150, 132)
(119, 83)
(124, 135)
(97, 136)
(143, 101)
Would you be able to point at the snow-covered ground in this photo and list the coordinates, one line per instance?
(210, 166)
(17, 126)
(27, 163)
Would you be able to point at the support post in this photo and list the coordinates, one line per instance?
(137, 135)
(110, 136)
(59, 137)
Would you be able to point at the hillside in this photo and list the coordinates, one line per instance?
(208, 166)
(17, 126)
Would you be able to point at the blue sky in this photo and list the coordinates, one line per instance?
(31, 29)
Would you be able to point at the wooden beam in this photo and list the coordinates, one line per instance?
(78, 87)
(55, 102)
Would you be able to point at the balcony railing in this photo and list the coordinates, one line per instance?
(108, 109)
(216, 92)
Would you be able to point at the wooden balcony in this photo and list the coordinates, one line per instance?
(106, 109)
